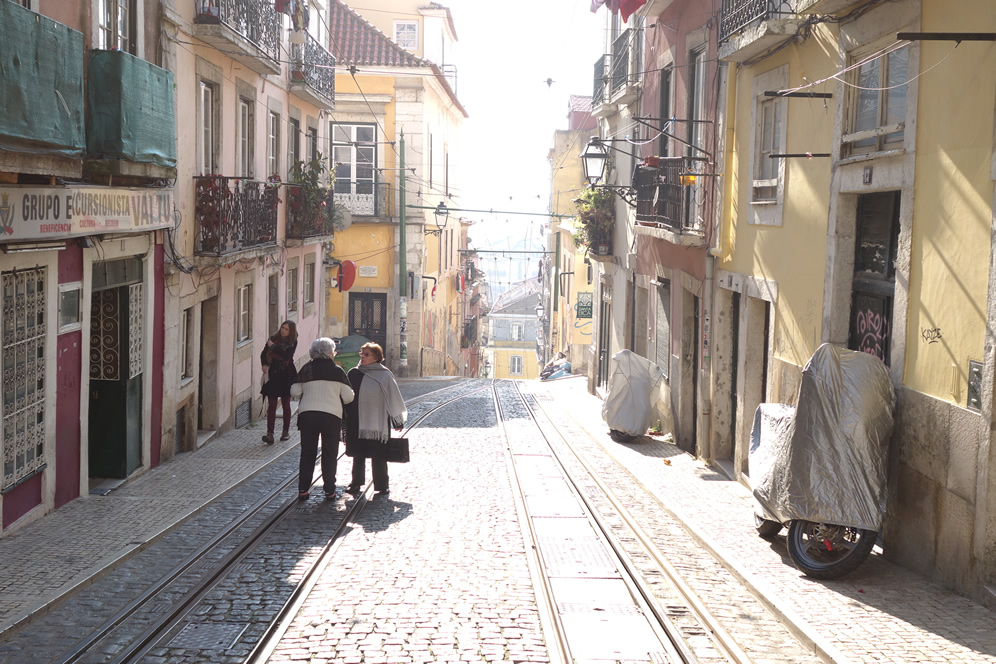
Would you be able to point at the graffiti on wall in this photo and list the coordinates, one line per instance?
(872, 330)
(931, 336)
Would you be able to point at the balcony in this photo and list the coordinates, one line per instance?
(312, 76)
(302, 223)
(748, 28)
(600, 90)
(233, 215)
(617, 74)
(365, 198)
(41, 131)
(130, 123)
(663, 201)
(248, 30)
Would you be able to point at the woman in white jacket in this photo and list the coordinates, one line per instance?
(322, 387)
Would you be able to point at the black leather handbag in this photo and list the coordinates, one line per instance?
(397, 450)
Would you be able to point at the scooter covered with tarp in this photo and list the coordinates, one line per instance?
(820, 468)
(628, 410)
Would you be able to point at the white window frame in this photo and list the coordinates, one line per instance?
(347, 150)
(293, 142)
(888, 133)
(273, 145)
(245, 139)
(114, 21)
(311, 137)
(517, 332)
(292, 290)
(309, 280)
(766, 195)
(515, 365)
(77, 317)
(206, 134)
(243, 326)
(406, 35)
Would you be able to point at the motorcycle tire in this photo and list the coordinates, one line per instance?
(825, 551)
(619, 436)
(766, 529)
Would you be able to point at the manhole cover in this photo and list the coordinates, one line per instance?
(208, 636)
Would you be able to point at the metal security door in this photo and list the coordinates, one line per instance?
(874, 285)
(368, 316)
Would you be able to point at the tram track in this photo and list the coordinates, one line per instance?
(684, 622)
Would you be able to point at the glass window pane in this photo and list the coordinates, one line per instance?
(365, 134)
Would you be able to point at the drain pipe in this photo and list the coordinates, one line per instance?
(715, 253)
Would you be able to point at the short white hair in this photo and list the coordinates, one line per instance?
(322, 347)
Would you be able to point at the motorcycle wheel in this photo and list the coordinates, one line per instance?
(766, 529)
(826, 551)
(619, 436)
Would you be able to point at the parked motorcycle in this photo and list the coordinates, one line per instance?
(628, 409)
(820, 468)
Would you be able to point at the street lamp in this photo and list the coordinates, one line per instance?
(593, 160)
(540, 311)
(441, 212)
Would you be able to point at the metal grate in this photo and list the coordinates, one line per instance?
(180, 430)
(243, 413)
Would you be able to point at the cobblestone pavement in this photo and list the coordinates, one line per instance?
(879, 613)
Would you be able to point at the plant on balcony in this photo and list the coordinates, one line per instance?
(595, 212)
(308, 198)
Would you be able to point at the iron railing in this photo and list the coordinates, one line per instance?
(624, 50)
(304, 221)
(314, 66)
(364, 197)
(599, 93)
(738, 14)
(661, 196)
(234, 214)
(255, 20)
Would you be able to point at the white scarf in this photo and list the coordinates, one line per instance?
(379, 396)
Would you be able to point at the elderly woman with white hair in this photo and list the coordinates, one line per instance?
(323, 389)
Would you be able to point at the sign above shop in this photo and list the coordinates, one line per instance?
(53, 213)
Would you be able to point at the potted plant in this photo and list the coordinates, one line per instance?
(596, 216)
(308, 197)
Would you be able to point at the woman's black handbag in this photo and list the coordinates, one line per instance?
(397, 450)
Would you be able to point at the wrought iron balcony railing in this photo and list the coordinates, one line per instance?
(600, 89)
(313, 65)
(663, 199)
(364, 197)
(738, 14)
(234, 214)
(304, 221)
(255, 20)
(625, 60)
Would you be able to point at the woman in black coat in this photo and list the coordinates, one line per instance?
(377, 408)
(279, 373)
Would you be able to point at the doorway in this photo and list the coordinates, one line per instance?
(604, 328)
(368, 317)
(117, 336)
(207, 374)
(873, 286)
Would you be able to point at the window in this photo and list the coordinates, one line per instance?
(206, 135)
(186, 341)
(696, 130)
(244, 322)
(245, 138)
(312, 144)
(292, 290)
(516, 332)
(515, 365)
(878, 112)
(22, 338)
(354, 153)
(309, 280)
(406, 34)
(293, 142)
(273, 146)
(70, 307)
(663, 320)
(665, 110)
(770, 142)
(116, 25)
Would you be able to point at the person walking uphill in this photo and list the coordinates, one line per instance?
(279, 372)
(323, 390)
(378, 407)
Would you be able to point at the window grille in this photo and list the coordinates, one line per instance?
(23, 342)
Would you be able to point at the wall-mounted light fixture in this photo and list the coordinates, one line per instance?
(594, 160)
(442, 214)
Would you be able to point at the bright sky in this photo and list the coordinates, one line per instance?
(506, 52)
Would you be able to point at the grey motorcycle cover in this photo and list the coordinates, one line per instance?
(827, 463)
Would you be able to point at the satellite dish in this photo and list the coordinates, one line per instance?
(342, 218)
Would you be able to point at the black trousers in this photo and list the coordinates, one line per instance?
(378, 466)
(314, 424)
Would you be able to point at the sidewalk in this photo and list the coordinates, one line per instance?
(879, 613)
